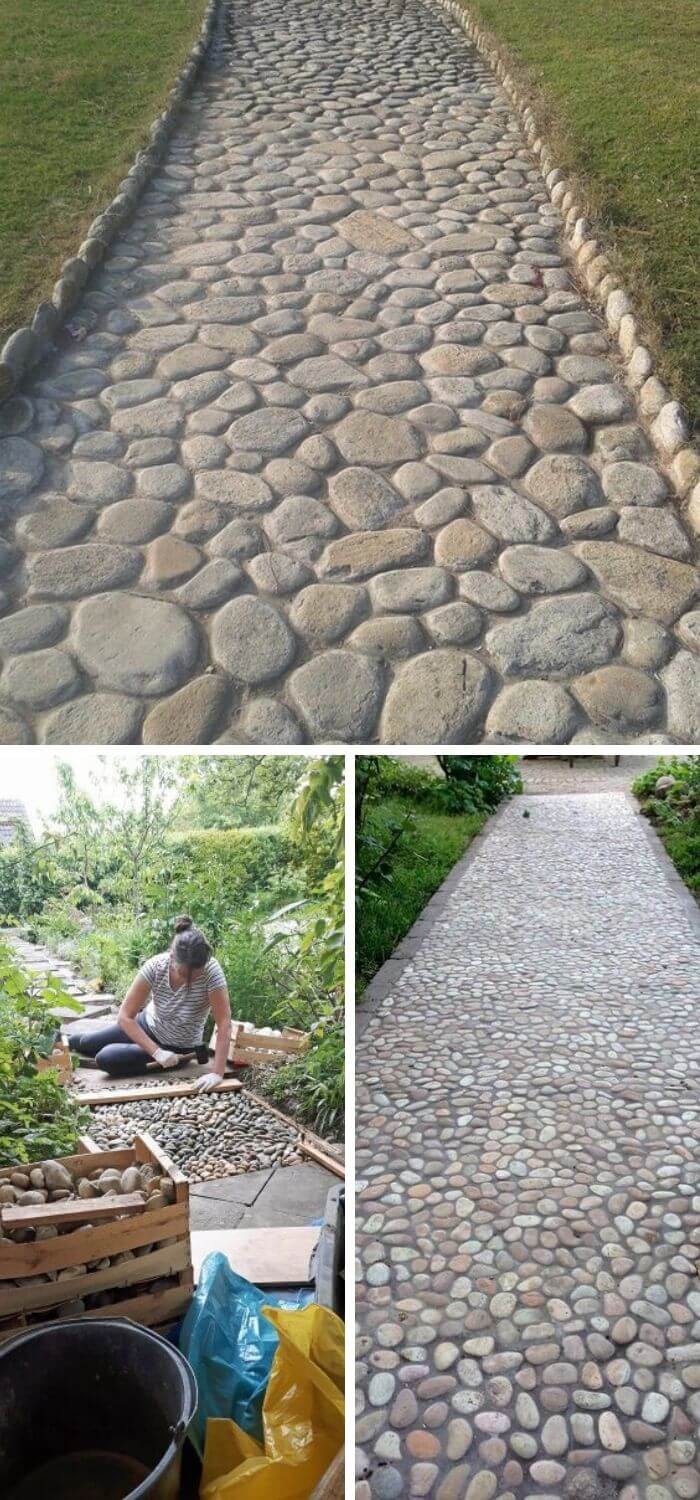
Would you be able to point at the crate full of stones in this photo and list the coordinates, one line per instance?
(100, 1230)
(263, 1047)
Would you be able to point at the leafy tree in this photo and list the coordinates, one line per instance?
(238, 791)
(38, 1116)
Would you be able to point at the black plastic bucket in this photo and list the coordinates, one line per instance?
(93, 1386)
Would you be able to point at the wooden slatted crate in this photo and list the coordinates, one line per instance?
(25, 1301)
(258, 1049)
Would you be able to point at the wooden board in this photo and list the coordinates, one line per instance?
(151, 1308)
(267, 1257)
(162, 1262)
(129, 1096)
(44, 1256)
(323, 1158)
(67, 1211)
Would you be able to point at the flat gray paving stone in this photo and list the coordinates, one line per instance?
(528, 1165)
(345, 285)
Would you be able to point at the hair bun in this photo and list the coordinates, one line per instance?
(183, 924)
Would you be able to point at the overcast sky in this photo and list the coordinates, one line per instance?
(31, 776)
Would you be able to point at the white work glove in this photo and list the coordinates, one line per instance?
(165, 1059)
(208, 1082)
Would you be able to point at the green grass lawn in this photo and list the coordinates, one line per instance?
(424, 858)
(80, 84)
(618, 88)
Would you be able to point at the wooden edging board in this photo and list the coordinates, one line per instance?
(308, 1142)
(128, 1096)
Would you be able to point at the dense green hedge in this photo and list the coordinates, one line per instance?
(239, 860)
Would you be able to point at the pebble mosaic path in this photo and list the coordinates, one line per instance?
(338, 453)
(528, 1165)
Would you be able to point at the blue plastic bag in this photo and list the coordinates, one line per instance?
(231, 1345)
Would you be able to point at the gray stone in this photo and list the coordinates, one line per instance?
(39, 679)
(688, 630)
(562, 484)
(21, 468)
(655, 530)
(509, 516)
(163, 482)
(655, 586)
(324, 612)
(97, 483)
(216, 582)
(56, 523)
(337, 695)
(647, 644)
(271, 429)
(95, 719)
(297, 517)
(72, 572)
(438, 698)
(133, 644)
(252, 640)
(454, 624)
(389, 638)
(32, 627)
(681, 679)
(365, 437)
(410, 589)
(488, 591)
(626, 483)
(540, 570)
(267, 722)
(246, 493)
(557, 638)
(534, 713)
(363, 500)
(13, 730)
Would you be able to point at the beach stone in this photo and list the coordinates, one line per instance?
(252, 640)
(509, 516)
(134, 645)
(72, 572)
(435, 699)
(540, 570)
(654, 586)
(365, 437)
(364, 553)
(681, 679)
(39, 679)
(21, 468)
(337, 695)
(618, 697)
(462, 544)
(537, 713)
(557, 637)
(95, 719)
(28, 629)
(362, 499)
(563, 484)
(191, 717)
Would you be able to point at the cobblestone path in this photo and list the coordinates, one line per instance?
(342, 455)
(528, 1165)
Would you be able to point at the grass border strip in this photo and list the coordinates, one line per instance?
(31, 343)
(665, 420)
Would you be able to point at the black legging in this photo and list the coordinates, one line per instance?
(115, 1052)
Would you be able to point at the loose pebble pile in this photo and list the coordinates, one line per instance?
(205, 1136)
(528, 1163)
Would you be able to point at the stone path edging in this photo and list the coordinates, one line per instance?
(664, 420)
(29, 344)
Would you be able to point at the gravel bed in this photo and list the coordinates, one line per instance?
(205, 1137)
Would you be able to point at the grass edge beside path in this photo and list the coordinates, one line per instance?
(81, 86)
(613, 87)
(425, 859)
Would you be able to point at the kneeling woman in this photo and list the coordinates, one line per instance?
(164, 1013)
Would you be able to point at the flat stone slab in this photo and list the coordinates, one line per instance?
(528, 1167)
(338, 340)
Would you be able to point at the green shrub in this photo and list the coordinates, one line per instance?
(312, 1087)
(675, 811)
(38, 1116)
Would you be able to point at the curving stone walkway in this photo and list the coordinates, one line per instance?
(528, 1164)
(336, 451)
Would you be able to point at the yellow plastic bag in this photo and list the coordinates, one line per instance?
(303, 1416)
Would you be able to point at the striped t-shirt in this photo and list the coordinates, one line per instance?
(177, 1018)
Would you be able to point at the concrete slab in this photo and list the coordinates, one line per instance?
(258, 1200)
(244, 1188)
(295, 1195)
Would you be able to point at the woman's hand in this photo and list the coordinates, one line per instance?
(209, 1082)
(165, 1059)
